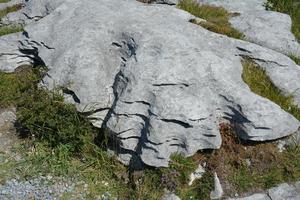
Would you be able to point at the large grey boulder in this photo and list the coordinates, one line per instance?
(156, 82)
(266, 28)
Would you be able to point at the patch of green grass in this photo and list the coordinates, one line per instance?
(184, 166)
(242, 179)
(10, 9)
(4, 1)
(260, 83)
(148, 185)
(217, 18)
(176, 178)
(43, 114)
(278, 170)
(13, 85)
(5, 30)
(199, 190)
(290, 7)
(93, 169)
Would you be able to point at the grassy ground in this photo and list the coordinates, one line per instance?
(244, 167)
(61, 142)
(217, 18)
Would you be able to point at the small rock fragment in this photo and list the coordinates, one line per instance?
(217, 193)
(197, 174)
(106, 196)
(170, 196)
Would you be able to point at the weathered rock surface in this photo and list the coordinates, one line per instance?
(266, 28)
(158, 83)
(8, 136)
(218, 192)
(10, 55)
(284, 191)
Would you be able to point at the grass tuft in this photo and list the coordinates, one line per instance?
(259, 82)
(5, 30)
(217, 18)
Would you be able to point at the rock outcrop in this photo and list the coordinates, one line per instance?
(266, 28)
(156, 82)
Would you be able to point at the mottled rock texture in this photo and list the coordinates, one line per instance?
(156, 82)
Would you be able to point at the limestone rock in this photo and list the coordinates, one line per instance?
(197, 174)
(266, 28)
(259, 196)
(156, 82)
(170, 196)
(285, 191)
(8, 136)
(217, 193)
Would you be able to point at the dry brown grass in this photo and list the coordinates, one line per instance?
(250, 167)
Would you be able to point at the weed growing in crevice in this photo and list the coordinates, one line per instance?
(216, 18)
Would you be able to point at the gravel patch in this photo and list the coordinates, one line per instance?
(45, 188)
